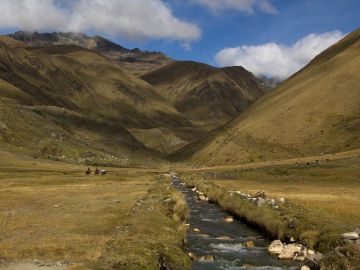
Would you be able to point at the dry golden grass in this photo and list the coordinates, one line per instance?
(51, 211)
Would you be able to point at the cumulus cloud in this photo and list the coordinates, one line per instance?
(31, 14)
(275, 59)
(135, 19)
(247, 6)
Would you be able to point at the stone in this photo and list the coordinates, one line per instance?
(207, 258)
(350, 236)
(313, 260)
(300, 257)
(202, 198)
(249, 244)
(311, 252)
(260, 201)
(260, 194)
(276, 247)
(196, 230)
(338, 252)
(304, 267)
(351, 242)
(192, 256)
(282, 200)
(289, 252)
(229, 219)
(57, 205)
(292, 240)
(224, 237)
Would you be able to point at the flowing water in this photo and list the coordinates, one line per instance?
(224, 241)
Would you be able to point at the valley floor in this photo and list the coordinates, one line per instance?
(53, 216)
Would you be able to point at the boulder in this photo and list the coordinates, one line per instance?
(249, 244)
(196, 230)
(350, 236)
(276, 247)
(282, 200)
(304, 267)
(290, 251)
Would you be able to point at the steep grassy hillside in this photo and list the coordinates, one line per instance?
(316, 111)
(204, 94)
(135, 61)
(79, 92)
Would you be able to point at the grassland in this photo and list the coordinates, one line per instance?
(52, 212)
(322, 201)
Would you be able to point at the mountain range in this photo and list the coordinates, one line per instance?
(77, 98)
(314, 112)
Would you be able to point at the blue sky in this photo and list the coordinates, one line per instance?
(217, 32)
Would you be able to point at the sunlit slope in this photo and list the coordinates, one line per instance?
(315, 111)
(206, 95)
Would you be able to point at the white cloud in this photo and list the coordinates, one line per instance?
(277, 60)
(135, 19)
(31, 14)
(247, 6)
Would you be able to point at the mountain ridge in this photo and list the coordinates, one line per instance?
(313, 112)
(143, 61)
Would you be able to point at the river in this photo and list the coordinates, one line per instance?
(222, 242)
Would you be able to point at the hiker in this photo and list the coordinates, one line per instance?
(97, 171)
(88, 171)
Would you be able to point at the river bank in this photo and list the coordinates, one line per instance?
(315, 224)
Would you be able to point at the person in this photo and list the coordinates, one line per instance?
(97, 171)
(88, 171)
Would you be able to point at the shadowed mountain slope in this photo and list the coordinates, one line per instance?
(82, 95)
(206, 95)
(316, 111)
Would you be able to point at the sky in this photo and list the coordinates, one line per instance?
(268, 37)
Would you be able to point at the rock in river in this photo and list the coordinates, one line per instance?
(290, 251)
(276, 247)
(229, 219)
